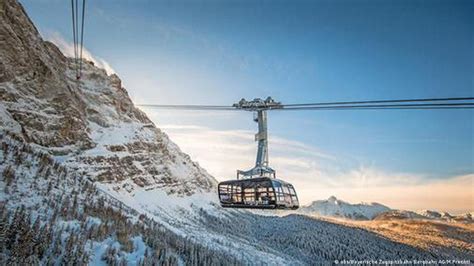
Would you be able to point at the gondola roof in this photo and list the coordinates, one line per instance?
(249, 181)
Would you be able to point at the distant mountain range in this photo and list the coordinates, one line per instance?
(333, 207)
(336, 208)
(425, 214)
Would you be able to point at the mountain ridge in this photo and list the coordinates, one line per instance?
(334, 207)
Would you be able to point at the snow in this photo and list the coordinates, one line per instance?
(169, 209)
(183, 216)
(93, 221)
(120, 133)
(98, 249)
(334, 207)
(133, 258)
(71, 225)
(139, 248)
(430, 214)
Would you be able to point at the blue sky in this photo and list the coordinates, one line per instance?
(216, 52)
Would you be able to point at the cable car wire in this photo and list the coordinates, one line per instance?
(395, 107)
(78, 43)
(190, 107)
(77, 38)
(385, 101)
(82, 36)
(405, 104)
(380, 106)
(377, 108)
(74, 31)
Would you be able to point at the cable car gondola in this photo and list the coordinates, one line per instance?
(258, 187)
(258, 193)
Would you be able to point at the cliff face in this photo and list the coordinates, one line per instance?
(89, 125)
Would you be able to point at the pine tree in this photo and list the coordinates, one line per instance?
(50, 187)
(3, 228)
(13, 228)
(74, 208)
(36, 238)
(23, 245)
(8, 175)
(69, 250)
(32, 260)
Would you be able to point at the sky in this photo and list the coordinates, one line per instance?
(217, 52)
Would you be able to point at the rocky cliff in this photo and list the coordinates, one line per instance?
(90, 125)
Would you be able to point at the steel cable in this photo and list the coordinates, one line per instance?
(82, 36)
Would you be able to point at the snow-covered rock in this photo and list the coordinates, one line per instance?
(430, 214)
(445, 216)
(465, 217)
(333, 207)
(90, 125)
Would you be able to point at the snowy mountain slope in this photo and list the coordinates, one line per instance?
(334, 207)
(51, 215)
(293, 239)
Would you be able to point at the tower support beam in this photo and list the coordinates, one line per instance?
(260, 108)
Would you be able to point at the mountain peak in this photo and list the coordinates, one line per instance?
(332, 199)
(334, 207)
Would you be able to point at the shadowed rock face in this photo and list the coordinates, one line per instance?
(91, 125)
(33, 88)
(24, 55)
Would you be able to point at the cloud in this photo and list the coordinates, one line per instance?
(68, 50)
(318, 175)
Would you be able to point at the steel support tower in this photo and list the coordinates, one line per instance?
(259, 107)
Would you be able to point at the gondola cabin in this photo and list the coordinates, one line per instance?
(258, 193)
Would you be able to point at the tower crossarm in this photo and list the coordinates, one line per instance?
(258, 104)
